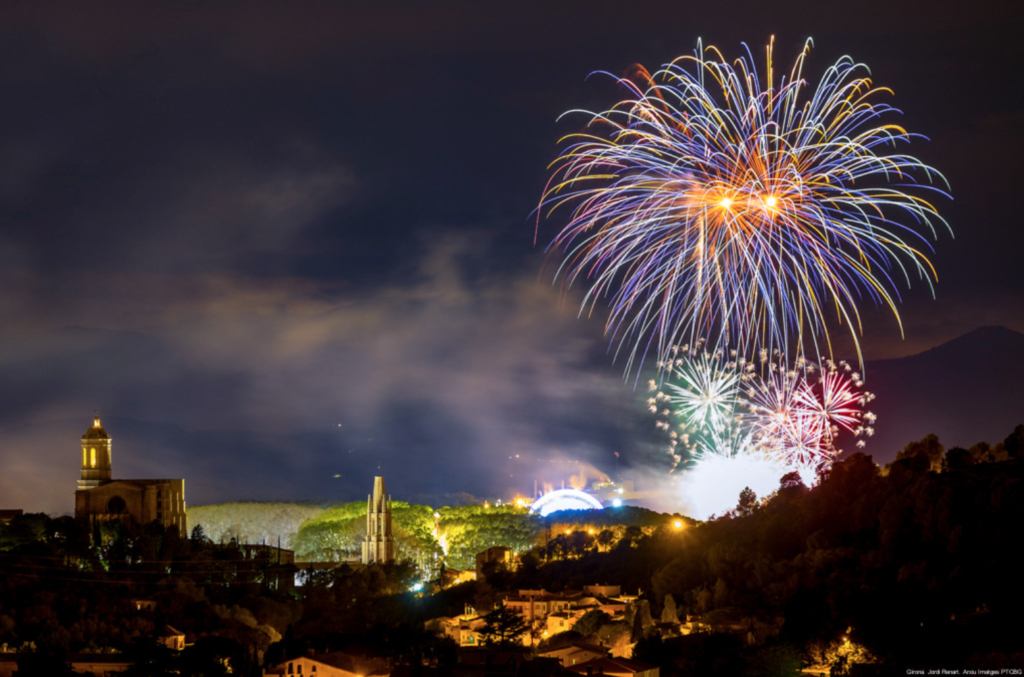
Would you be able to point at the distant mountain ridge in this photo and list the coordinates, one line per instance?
(967, 390)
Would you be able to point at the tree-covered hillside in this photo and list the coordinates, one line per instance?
(253, 522)
(334, 533)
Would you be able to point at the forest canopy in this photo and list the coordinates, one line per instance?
(334, 532)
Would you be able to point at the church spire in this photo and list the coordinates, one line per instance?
(379, 545)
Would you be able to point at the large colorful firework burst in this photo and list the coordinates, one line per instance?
(716, 204)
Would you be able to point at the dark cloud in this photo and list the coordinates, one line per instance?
(456, 371)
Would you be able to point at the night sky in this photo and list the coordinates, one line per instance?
(280, 245)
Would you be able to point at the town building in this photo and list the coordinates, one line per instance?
(379, 546)
(465, 629)
(146, 605)
(616, 667)
(96, 664)
(576, 653)
(336, 664)
(563, 621)
(268, 553)
(604, 590)
(131, 502)
(503, 662)
(499, 556)
(537, 605)
(450, 577)
(172, 638)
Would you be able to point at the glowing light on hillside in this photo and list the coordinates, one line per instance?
(564, 499)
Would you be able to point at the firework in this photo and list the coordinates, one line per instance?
(705, 391)
(797, 413)
(792, 416)
(750, 211)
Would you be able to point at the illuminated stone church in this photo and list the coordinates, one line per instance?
(131, 502)
(379, 545)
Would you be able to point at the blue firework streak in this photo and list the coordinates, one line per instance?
(716, 205)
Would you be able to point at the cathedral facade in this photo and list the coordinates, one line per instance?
(131, 502)
(379, 545)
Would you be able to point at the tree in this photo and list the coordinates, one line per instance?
(495, 573)
(630, 535)
(704, 599)
(957, 458)
(643, 611)
(558, 546)
(721, 593)
(503, 627)
(668, 611)
(151, 659)
(638, 629)
(929, 447)
(981, 453)
(777, 659)
(605, 538)
(748, 500)
(528, 563)
(1014, 444)
(198, 538)
(643, 623)
(590, 622)
(580, 542)
(213, 657)
(791, 480)
(52, 662)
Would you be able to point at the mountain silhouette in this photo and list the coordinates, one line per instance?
(968, 390)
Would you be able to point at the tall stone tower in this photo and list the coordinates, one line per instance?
(379, 545)
(95, 456)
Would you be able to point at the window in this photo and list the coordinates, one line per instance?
(92, 457)
(291, 669)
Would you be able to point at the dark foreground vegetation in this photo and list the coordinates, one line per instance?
(915, 564)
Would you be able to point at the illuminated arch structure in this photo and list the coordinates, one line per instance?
(564, 499)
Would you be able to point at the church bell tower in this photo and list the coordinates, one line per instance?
(379, 545)
(95, 456)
